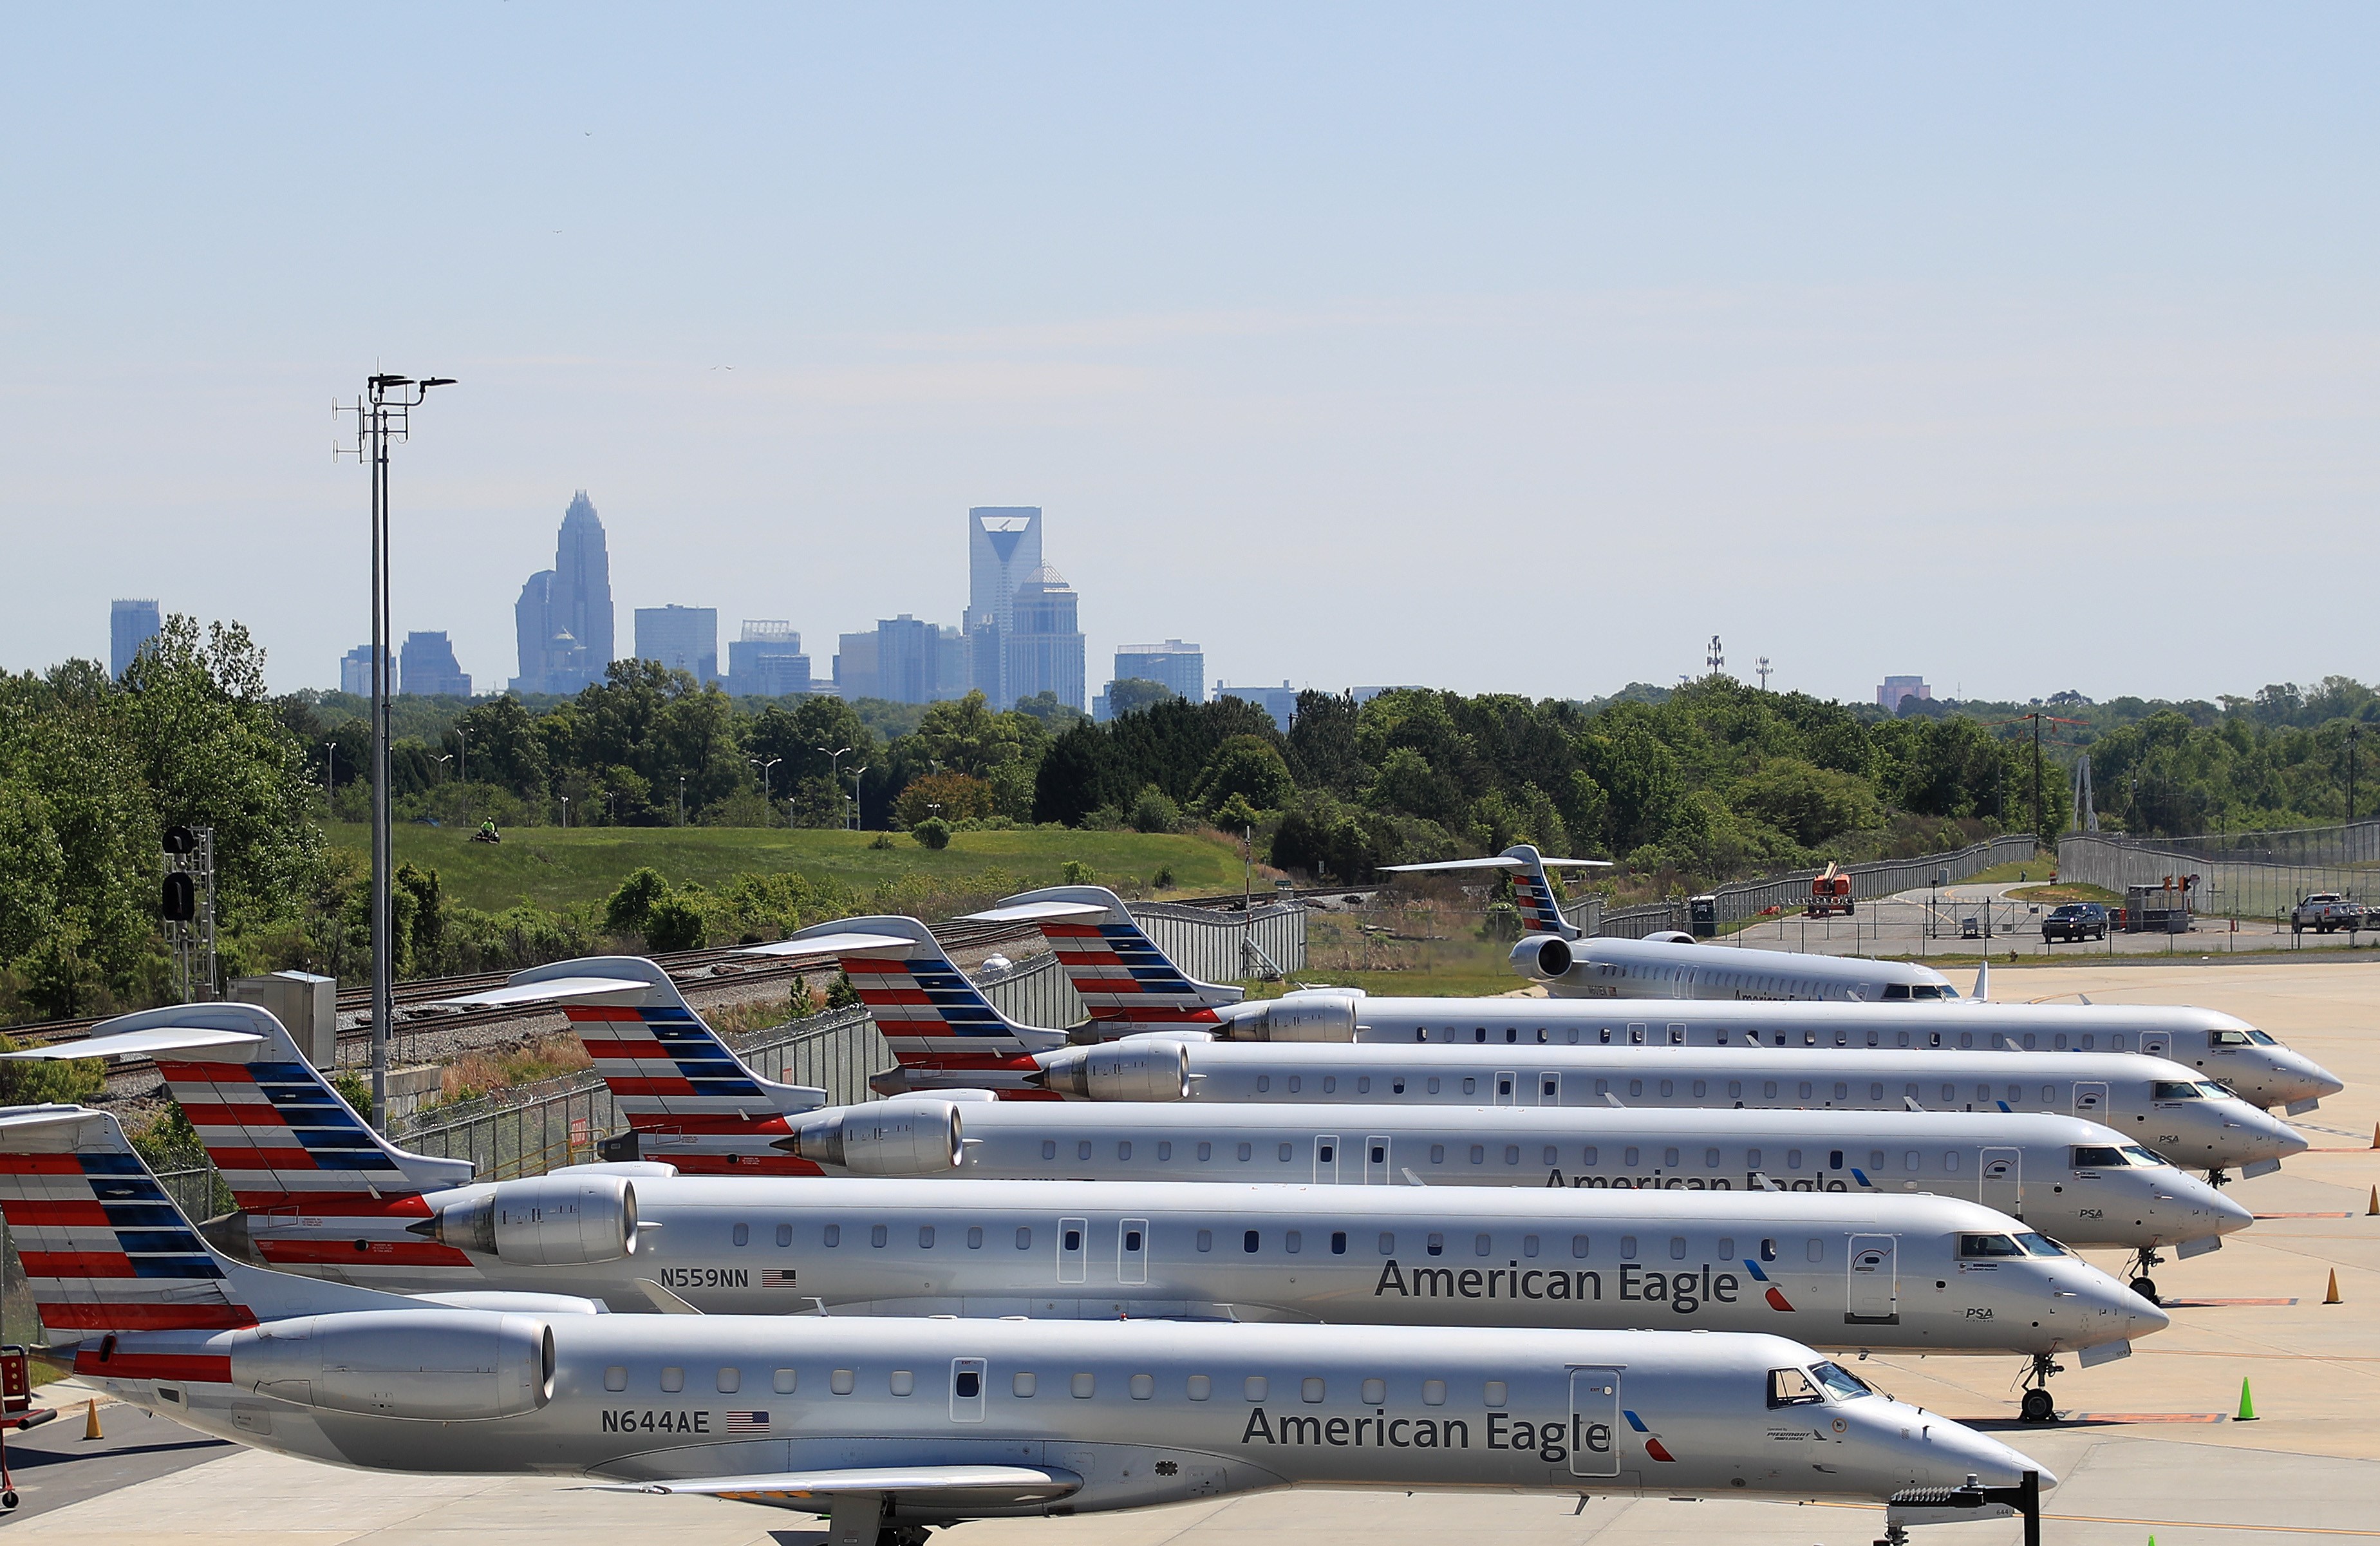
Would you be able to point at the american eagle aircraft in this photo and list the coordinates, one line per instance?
(1128, 985)
(945, 1035)
(692, 1103)
(888, 1428)
(324, 1191)
(1670, 964)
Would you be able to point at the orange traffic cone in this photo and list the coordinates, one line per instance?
(2332, 1297)
(91, 1420)
(2375, 1134)
(2373, 1211)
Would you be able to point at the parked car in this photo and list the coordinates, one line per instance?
(2076, 921)
(2324, 911)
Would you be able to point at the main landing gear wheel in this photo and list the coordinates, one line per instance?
(901, 1535)
(2037, 1407)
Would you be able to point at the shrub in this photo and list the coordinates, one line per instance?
(1076, 873)
(674, 923)
(1153, 810)
(883, 840)
(1165, 878)
(951, 795)
(630, 911)
(933, 831)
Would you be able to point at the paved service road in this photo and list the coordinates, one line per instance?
(2155, 1453)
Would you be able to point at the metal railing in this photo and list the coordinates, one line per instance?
(1739, 900)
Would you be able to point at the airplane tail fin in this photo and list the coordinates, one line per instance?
(1124, 979)
(940, 1028)
(1532, 891)
(317, 1183)
(689, 1100)
(108, 1252)
(1983, 981)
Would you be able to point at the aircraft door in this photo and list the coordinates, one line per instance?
(1548, 1088)
(2000, 1181)
(1594, 1422)
(1875, 1286)
(967, 1390)
(1074, 1249)
(1507, 1084)
(1375, 1160)
(1132, 1251)
(2090, 1100)
(1326, 1159)
(2156, 1044)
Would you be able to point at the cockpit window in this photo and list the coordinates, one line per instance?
(1840, 1382)
(1972, 1245)
(2174, 1089)
(2141, 1156)
(2041, 1245)
(2230, 1038)
(1895, 991)
(2261, 1039)
(2090, 1156)
(1790, 1387)
(1949, 991)
(1925, 990)
(2212, 1092)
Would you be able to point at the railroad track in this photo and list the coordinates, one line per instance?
(720, 964)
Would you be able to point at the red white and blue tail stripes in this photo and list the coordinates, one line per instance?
(1125, 981)
(692, 1103)
(1533, 896)
(104, 1249)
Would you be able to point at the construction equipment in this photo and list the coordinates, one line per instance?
(1829, 893)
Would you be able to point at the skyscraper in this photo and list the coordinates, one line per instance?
(564, 620)
(1003, 553)
(682, 638)
(1172, 664)
(768, 661)
(1045, 648)
(427, 665)
(355, 671)
(130, 625)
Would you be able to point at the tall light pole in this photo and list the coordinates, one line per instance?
(834, 775)
(383, 413)
(856, 774)
(764, 768)
(681, 799)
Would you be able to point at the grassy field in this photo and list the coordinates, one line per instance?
(2066, 891)
(555, 868)
(2034, 868)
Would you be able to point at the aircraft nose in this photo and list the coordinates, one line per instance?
(2320, 1083)
(1929, 1449)
(2227, 1215)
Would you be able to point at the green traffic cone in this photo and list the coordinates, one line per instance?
(2247, 1405)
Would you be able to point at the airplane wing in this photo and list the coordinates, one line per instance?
(979, 1485)
(554, 990)
(829, 944)
(1033, 912)
(156, 1038)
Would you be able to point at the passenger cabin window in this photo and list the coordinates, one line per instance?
(672, 1379)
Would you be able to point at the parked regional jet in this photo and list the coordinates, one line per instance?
(1103, 948)
(1840, 1268)
(888, 1428)
(676, 1081)
(946, 1035)
(1671, 964)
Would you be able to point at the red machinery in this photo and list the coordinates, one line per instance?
(1829, 893)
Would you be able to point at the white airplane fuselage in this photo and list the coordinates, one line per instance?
(1125, 1414)
(2150, 1101)
(1836, 1269)
(1601, 967)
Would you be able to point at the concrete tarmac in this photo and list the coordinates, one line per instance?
(2151, 1446)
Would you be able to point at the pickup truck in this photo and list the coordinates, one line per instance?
(2325, 911)
(2076, 921)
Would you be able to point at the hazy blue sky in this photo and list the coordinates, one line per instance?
(1490, 348)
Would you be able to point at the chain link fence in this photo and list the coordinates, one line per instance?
(1741, 900)
(2230, 880)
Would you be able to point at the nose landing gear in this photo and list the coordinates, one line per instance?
(2143, 1284)
(2036, 1407)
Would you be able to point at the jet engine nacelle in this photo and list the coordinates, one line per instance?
(436, 1365)
(891, 1137)
(1132, 1069)
(1547, 957)
(1309, 1016)
(566, 1220)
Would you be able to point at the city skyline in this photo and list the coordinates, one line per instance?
(1694, 324)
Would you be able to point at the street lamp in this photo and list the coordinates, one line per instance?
(764, 768)
(383, 414)
(856, 774)
(834, 776)
(565, 810)
(681, 799)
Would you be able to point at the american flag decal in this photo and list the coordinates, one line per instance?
(777, 1277)
(748, 1422)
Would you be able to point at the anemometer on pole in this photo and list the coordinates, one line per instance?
(383, 414)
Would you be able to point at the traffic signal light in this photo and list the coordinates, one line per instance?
(181, 900)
